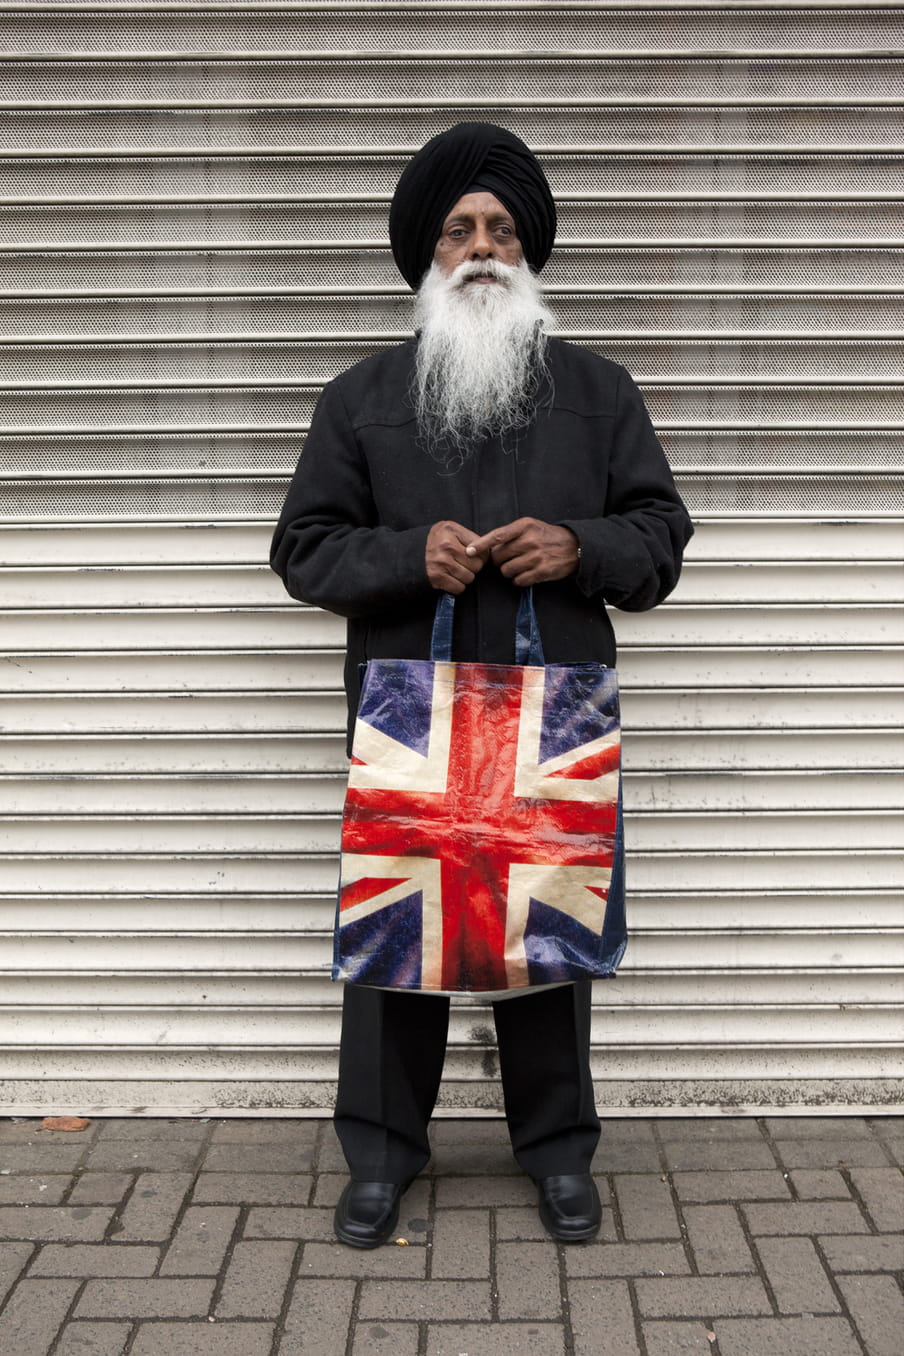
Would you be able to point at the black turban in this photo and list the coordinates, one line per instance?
(470, 158)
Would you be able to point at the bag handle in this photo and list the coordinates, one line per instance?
(528, 645)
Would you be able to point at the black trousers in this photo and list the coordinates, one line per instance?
(391, 1061)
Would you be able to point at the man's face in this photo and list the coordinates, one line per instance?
(477, 228)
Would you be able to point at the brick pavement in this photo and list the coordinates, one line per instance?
(735, 1237)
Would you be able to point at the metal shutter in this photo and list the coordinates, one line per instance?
(192, 239)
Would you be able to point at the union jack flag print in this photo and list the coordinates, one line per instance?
(481, 841)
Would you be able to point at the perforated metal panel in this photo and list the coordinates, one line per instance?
(306, 28)
(357, 225)
(192, 241)
(615, 127)
(384, 80)
(574, 178)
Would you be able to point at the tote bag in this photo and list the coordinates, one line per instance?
(482, 843)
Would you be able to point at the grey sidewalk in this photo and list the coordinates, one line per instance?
(777, 1237)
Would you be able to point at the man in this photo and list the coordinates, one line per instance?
(479, 458)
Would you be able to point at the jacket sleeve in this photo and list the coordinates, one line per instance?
(632, 554)
(328, 547)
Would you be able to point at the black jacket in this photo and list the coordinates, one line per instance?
(352, 533)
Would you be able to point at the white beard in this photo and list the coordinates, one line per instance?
(480, 355)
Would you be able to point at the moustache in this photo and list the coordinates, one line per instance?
(486, 268)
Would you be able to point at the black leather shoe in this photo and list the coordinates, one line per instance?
(367, 1213)
(570, 1207)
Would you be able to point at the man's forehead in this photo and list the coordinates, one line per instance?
(479, 204)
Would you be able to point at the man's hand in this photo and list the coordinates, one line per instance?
(529, 551)
(454, 555)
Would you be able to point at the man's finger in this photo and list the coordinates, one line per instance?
(482, 546)
(504, 535)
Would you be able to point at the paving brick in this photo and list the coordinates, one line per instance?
(95, 1259)
(889, 1130)
(831, 1153)
(787, 1336)
(13, 1258)
(334, 1259)
(456, 1192)
(328, 1187)
(527, 1279)
(708, 1128)
(797, 1276)
(93, 1339)
(60, 1223)
(894, 1149)
(634, 1131)
(199, 1244)
(330, 1157)
(627, 1259)
(706, 1296)
(253, 1158)
(318, 1318)
(393, 1339)
(602, 1319)
(662, 1339)
(44, 1190)
(100, 1188)
(864, 1253)
(145, 1299)
(818, 1127)
(757, 1185)
(499, 1339)
(150, 1155)
(469, 1130)
(718, 1155)
(819, 1184)
(523, 1222)
(461, 1244)
(18, 1132)
(251, 1188)
(882, 1191)
(829, 1217)
(203, 1339)
(416, 1210)
(646, 1208)
(43, 1157)
(267, 1132)
(151, 1210)
(425, 1299)
(473, 1159)
(289, 1221)
(256, 1280)
(876, 1305)
(153, 1128)
(30, 1132)
(717, 1239)
(626, 1157)
(33, 1316)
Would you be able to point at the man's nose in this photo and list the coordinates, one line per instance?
(482, 244)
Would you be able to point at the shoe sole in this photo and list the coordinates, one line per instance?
(351, 1242)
